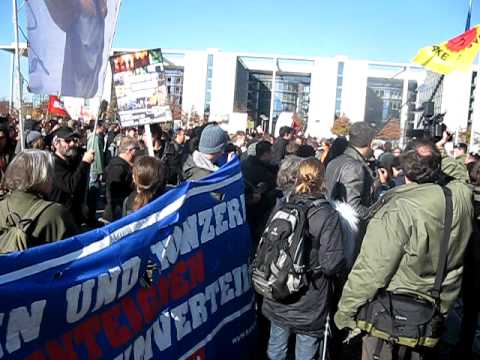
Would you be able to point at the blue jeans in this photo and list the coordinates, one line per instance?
(306, 347)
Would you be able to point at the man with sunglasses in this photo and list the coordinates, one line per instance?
(71, 175)
(118, 178)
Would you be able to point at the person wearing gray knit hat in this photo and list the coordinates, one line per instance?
(211, 148)
(213, 140)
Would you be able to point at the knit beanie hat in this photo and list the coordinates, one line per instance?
(33, 136)
(213, 140)
(361, 134)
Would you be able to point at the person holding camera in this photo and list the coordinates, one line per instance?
(411, 260)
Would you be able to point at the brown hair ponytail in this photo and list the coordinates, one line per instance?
(310, 177)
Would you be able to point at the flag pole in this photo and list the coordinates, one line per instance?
(19, 75)
(467, 27)
(440, 81)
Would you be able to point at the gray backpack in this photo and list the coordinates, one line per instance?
(15, 234)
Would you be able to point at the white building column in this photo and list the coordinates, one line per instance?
(272, 97)
(323, 83)
(354, 92)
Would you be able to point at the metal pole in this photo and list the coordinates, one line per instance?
(272, 98)
(11, 101)
(467, 27)
(19, 75)
(404, 109)
(469, 16)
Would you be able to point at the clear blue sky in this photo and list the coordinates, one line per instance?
(391, 30)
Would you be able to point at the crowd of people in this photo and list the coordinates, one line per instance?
(375, 223)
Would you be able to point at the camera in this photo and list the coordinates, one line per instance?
(432, 125)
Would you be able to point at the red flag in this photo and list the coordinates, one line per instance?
(56, 107)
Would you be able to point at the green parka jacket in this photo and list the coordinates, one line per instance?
(401, 247)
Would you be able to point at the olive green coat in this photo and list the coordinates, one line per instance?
(54, 223)
(401, 246)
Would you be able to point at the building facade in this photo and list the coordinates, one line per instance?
(216, 84)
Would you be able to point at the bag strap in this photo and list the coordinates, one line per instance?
(32, 214)
(442, 263)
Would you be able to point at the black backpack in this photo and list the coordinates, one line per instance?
(280, 267)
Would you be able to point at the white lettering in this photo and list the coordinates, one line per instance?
(131, 270)
(237, 277)
(23, 324)
(227, 293)
(162, 334)
(181, 323)
(75, 310)
(198, 310)
(234, 216)
(107, 287)
(190, 235)
(219, 211)
(205, 220)
(210, 294)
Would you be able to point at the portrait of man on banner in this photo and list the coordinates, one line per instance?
(83, 22)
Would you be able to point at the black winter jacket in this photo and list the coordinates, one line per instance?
(118, 179)
(349, 179)
(307, 313)
(279, 150)
(70, 185)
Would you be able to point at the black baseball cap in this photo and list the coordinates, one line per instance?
(66, 133)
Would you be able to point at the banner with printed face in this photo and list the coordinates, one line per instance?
(140, 88)
(69, 42)
(169, 281)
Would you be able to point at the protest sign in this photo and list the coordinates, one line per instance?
(140, 88)
(69, 42)
(169, 281)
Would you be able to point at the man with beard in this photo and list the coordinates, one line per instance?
(71, 177)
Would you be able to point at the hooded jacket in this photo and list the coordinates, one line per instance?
(197, 166)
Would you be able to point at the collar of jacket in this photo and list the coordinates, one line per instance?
(24, 196)
(201, 161)
(392, 193)
(354, 153)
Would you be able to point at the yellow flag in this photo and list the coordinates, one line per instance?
(455, 54)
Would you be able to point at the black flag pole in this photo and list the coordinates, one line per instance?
(440, 81)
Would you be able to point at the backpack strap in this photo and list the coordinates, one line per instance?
(442, 262)
(32, 214)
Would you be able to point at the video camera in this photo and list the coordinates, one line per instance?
(429, 126)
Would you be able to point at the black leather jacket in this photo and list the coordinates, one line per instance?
(349, 179)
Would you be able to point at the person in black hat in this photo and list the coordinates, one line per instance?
(348, 177)
(71, 177)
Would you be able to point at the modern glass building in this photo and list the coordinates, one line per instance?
(384, 100)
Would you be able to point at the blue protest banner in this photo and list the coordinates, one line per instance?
(169, 281)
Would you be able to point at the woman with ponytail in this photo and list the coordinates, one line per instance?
(149, 180)
(307, 313)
